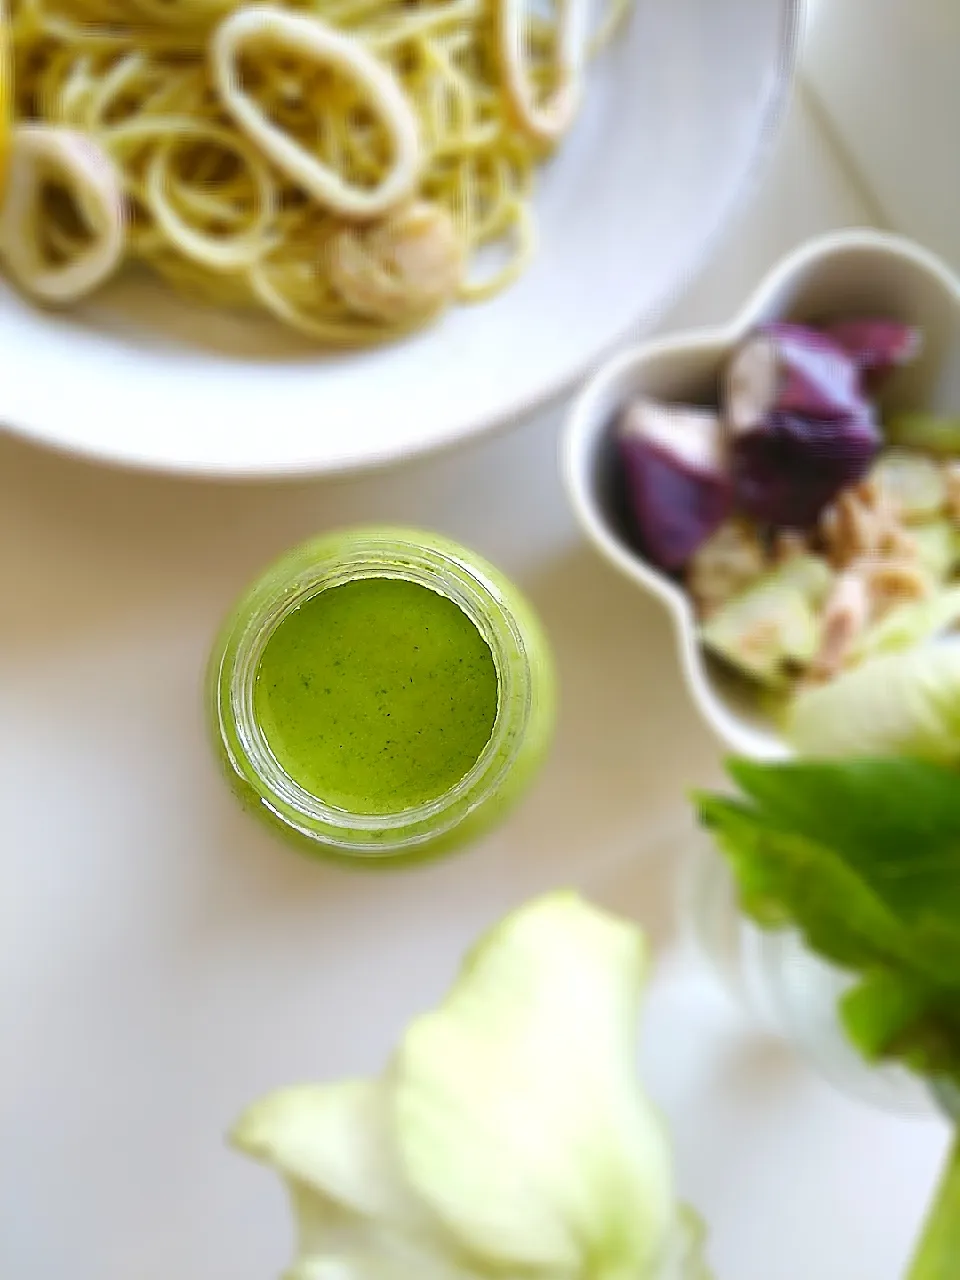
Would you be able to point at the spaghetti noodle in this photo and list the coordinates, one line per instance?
(341, 164)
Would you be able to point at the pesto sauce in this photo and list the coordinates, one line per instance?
(376, 696)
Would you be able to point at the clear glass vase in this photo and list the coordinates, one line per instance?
(793, 993)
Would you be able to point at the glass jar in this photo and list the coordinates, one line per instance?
(793, 993)
(522, 721)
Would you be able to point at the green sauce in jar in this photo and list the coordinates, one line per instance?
(377, 696)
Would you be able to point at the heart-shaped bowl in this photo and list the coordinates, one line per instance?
(859, 272)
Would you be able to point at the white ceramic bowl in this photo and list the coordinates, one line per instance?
(842, 273)
(676, 116)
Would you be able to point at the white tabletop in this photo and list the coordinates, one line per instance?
(163, 961)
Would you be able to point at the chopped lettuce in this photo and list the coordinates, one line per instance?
(915, 483)
(910, 624)
(774, 625)
(930, 432)
(896, 703)
(938, 547)
(810, 574)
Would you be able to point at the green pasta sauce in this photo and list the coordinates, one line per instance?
(377, 696)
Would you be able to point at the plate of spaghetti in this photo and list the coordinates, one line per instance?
(306, 236)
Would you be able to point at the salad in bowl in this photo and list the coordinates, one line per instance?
(790, 488)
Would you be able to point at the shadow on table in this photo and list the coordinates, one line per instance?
(611, 807)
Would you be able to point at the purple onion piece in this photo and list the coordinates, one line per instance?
(789, 368)
(877, 346)
(802, 428)
(677, 479)
(786, 472)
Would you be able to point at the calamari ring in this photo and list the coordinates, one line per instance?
(324, 44)
(41, 153)
(545, 122)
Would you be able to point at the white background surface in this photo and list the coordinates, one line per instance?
(906, 156)
(162, 961)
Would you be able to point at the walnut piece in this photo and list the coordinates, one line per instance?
(892, 582)
(863, 594)
(865, 522)
(727, 563)
(788, 546)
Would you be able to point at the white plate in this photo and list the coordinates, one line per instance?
(676, 117)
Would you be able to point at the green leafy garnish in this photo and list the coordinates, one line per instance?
(939, 1251)
(863, 857)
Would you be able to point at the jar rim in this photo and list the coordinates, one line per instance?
(322, 565)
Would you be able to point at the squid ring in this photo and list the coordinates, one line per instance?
(547, 122)
(41, 154)
(323, 44)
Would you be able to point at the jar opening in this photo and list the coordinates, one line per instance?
(257, 754)
(376, 696)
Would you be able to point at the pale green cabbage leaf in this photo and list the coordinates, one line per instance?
(508, 1138)
(895, 704)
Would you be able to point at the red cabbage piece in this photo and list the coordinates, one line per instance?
(678, 485)
(877, 346)
(802, 428)
(791, 369)
(788, 471)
